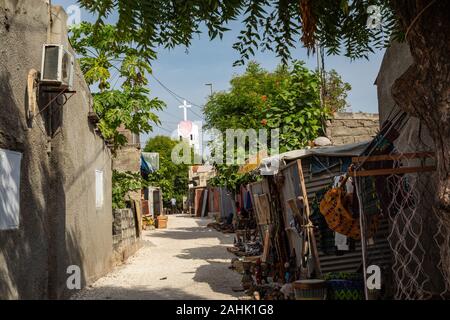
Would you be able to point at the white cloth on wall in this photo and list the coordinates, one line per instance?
(99, 189)
(10, 162)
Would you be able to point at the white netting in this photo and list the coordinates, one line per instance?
(442, 238)
(405, 237)
(419, 237)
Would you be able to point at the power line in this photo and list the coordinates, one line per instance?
(170, 114)
(178, 97)
(164, 129)
(170, 122)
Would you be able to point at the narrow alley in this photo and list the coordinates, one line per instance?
(185, 261)
(248, 151)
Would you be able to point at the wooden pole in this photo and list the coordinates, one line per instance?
(310, 230)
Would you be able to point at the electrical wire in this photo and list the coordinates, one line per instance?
(164, 129)
(178, 97)
(175, 94)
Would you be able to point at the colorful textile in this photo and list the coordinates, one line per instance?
(344, 286)
(248, 201)
(345, 289)
(343, 276)
(340, 219)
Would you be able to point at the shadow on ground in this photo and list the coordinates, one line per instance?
(226, 279)
(206, 253)
(137, 293)
(192, 233)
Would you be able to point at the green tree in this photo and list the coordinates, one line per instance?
(122, 184)
(287, 99)
(107, 58)
(338, 26)
(335, 92)
(171, 177)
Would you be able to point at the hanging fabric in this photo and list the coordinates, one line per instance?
(339, 218)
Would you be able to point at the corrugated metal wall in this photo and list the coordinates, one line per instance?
(226, 203)
(378, 254)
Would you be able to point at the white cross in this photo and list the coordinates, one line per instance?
(185, 106)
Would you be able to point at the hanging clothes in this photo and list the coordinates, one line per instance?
(248, 201)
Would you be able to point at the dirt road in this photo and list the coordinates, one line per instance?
(185, 261)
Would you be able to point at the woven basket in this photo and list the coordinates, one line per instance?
(313, 289)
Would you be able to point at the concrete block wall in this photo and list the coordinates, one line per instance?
(124, 228)
(347, 128)
(125, 240)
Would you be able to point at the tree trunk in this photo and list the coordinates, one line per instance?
(423, 90)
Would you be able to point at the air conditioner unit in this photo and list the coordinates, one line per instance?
(57, 66)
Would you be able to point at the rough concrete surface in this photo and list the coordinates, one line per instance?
(185, 261)
(59, 222)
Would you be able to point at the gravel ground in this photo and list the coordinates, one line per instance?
(185, 261)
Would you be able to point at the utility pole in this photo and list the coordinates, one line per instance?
(210, 86)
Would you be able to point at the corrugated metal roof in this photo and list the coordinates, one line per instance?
(278, 161)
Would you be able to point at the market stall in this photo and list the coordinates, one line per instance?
(301, 252)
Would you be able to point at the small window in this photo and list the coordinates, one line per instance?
(98, 189)
(9, 189)
(191, 137)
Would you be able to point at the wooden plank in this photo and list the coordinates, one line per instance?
(293, 205)
(400, 156)
(314, 249)
(261, 203)
(264, 207)
(303, 185)
(384, 172)
(257, 210)
(205, 199)
(265, 254)
(137, 205)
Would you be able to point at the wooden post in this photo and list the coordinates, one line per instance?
(310, 230)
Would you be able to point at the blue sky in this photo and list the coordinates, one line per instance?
(186, 71)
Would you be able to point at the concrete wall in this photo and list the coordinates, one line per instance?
(127, 158)
(23, 252)
(347, 128)
(60, 224)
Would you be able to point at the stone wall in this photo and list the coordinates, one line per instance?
(347, 128)
(125, 236)
(60, 224)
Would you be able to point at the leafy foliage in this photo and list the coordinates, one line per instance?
(287, 99)
(172, 178)
(228, 176)
(129, 107)
(108, 57)
(122, 184)
(274, 25)
(335, 92)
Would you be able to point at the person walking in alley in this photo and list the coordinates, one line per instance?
(173, 203)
